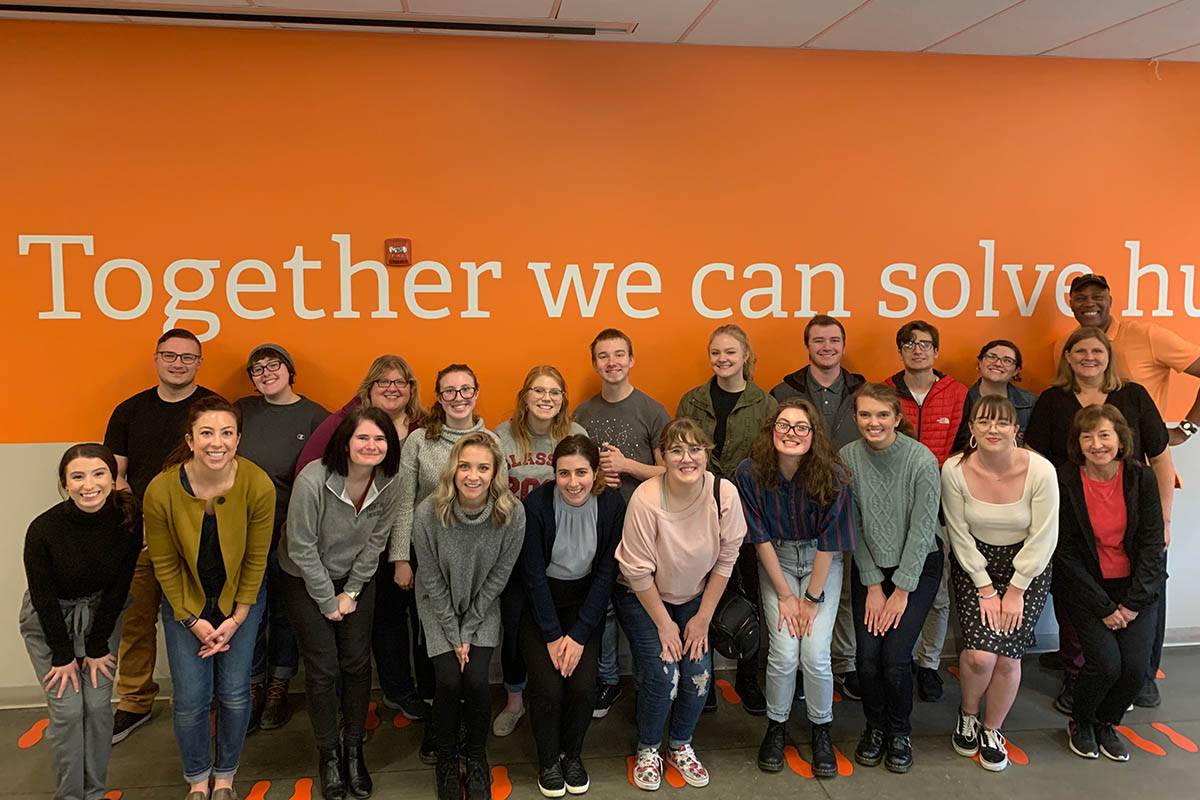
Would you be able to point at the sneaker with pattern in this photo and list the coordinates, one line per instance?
(647, 770)
(684, 759)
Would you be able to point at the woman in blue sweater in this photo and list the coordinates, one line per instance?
(572, 528)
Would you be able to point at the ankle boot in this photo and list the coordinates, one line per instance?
(824, 760)
(449, 780)
(358, 780)
(479, 779)
(276, 711)
(329, 769)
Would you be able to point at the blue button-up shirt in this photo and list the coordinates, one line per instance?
(788, 513)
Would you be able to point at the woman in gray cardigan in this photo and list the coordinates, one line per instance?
(339, 518)
(466, 536)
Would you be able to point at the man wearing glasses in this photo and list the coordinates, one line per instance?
(141, 432)
(276, 424)
(933, 403)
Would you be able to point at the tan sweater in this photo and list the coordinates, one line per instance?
(675, 551)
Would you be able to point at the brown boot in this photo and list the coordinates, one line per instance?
(277, 711)
(258, 697)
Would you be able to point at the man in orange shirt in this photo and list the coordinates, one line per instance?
(1146, 354)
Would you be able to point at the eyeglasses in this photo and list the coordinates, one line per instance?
(924, 345)
(539, 392)
(270, 366)
(1005, 360)
(186, 359)
(467, 392)
(801, 429)
(1001, 425)
(400, 383)
(678, 452)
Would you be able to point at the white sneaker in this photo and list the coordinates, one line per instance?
(684, 759)
(647, 770)
(506, 721)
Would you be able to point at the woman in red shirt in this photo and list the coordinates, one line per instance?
(1109, 573)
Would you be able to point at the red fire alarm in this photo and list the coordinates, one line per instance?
(397, 252)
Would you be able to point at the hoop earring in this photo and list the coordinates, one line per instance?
(972, 443)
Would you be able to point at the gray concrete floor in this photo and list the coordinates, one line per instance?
(146, 765)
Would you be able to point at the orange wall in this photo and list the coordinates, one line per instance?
(166, 143)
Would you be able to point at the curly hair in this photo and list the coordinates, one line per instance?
(821, 473)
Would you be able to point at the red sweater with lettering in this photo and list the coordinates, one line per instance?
(938, 418)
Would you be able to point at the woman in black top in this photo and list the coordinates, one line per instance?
(1109, 573)
(79, 559)
(572, 527)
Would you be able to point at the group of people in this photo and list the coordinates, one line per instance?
(851, 511)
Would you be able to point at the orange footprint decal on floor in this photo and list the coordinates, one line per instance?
(1177, 738)
(1017, 755)
(303, 790)
(728, 692)
(797, 764)
(401, 721)
(953, 671)
(259, 791)
(372, 716)
(115, 794)
(1160, 675)
(837, 696)
(673, 776)
(501, 785)
(1137, 741)
(845, 766)
(34, 735)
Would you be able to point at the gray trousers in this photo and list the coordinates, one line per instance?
(81, 722)
(928, 650)
(843, 647)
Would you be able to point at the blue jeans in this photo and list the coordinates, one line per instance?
(665, 689)
(196, 679)
(275, 651)
(608, 669)
(787, 652)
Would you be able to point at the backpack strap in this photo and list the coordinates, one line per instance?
(717, 494)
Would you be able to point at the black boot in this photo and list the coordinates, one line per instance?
(358, 780)
(770, 752)
(870, 747)
(329, 768)
(479, 778)
(824, 760)
(449, 781)
(899, 754)
(754, 702)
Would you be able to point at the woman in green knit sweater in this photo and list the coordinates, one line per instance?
(898, 567)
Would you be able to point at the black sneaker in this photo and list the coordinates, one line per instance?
(1082, 740)
(870, 748)
(1110, 742)
(428, 750)
(824, 760)
(929, 684)
(847, 683)
(125, 722)
(966, 734)
(410, 705)
(770, 752)
(993, 755)
(1148, 696)
(448, 781)
(799, 696)
(753, 699)
(477, 779)
(575, 775)
(710, 700)
(1064, 703)
(899, 755)
(605, 697)
(1052, 660)
(550, 781)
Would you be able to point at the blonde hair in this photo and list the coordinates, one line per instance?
(740, 335)
(503, 500)
(414, 411)
(1065, 379)
(560, 426)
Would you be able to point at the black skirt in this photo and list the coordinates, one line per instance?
(976, 635)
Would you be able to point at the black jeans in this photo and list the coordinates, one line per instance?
(462, 693)
(1115, 663)
(512, 603)
(396, 635)
(333, 652)
(885, 662)
(560, 709)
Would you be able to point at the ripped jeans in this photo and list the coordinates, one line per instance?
(664, 689)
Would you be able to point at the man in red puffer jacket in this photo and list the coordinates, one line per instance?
(933, 403)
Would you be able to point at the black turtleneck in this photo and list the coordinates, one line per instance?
(70, 554)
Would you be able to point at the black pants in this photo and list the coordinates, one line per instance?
(333, 652)
(1160, 629)
(885, 662)
(396, 635)
(1115, 663)
(512, 603)
(560, 709)
(462, 692)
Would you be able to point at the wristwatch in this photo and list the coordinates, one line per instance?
(353, 595)
(1189, 427)
(189, 622)
(812, 599)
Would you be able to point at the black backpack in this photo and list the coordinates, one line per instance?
(734, 631)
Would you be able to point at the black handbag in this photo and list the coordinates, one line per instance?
(734, 631)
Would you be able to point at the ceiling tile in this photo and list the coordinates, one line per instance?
(1163, 31)
(52, 17)
(768, 23)
(661, 21)
(906, 25)
(344, 6)
(1036, 26)
(174, 3)
(1186, 54)
(515, 9)
(199, 23)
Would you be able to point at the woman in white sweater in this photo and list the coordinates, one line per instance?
(1001, 508)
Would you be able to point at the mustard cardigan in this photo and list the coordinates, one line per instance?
(244, 518)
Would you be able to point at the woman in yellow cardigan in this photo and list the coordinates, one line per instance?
(208, 518)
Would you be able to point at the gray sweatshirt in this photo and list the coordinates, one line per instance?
(421, 463)
(463, 569)
(327, 540)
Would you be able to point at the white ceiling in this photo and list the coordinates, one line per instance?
(1130, 29)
